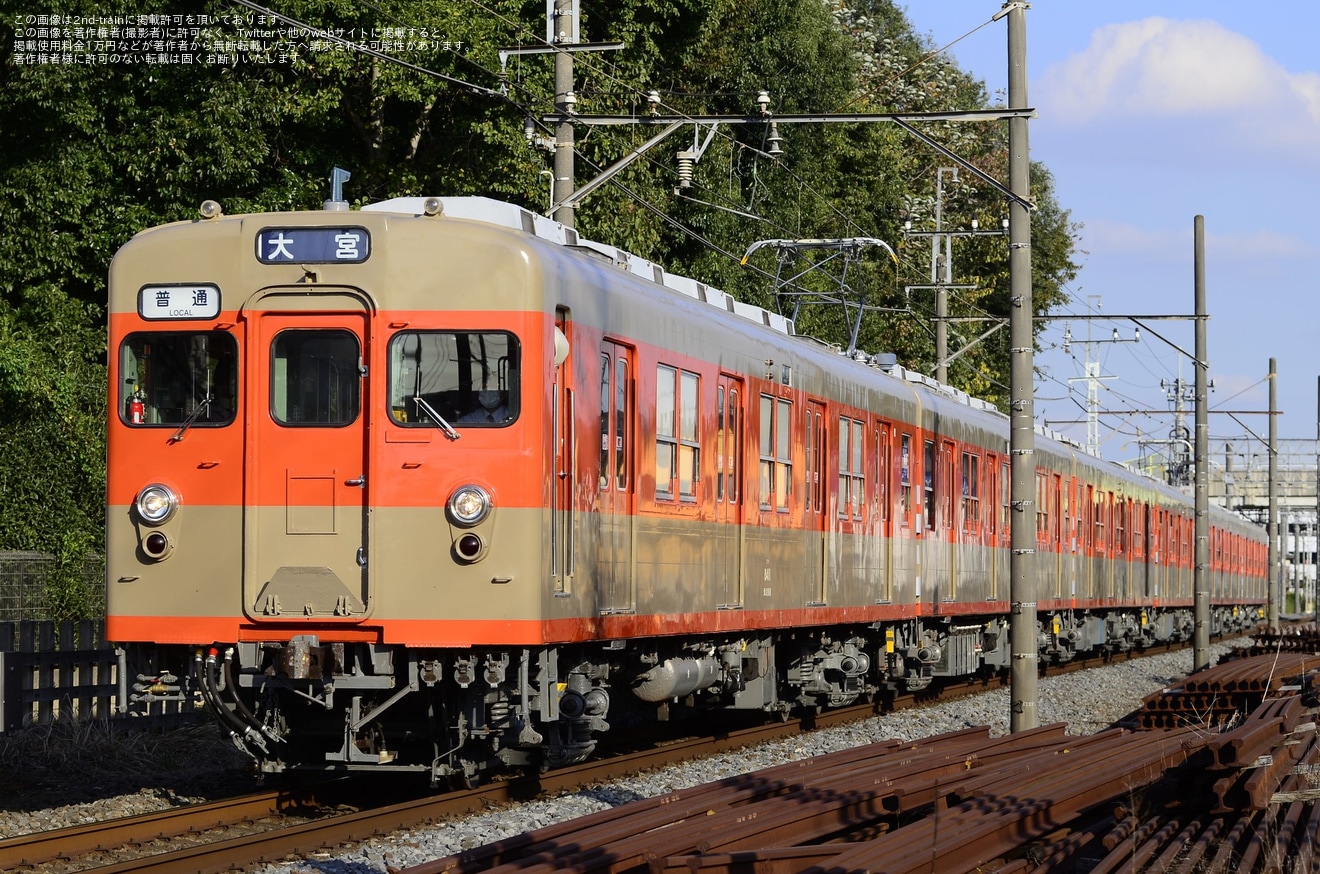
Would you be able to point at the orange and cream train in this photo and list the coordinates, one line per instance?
(436, 485)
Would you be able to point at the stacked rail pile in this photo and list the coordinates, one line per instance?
(955, 801)
(1222, 790)
(1217, 696)
(1292, 638)
(1259, 811)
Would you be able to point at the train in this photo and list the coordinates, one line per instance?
(438, 486)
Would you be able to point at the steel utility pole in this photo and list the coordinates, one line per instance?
(1024, 714)
(1201, 569)
(941, 272)
(1093, 377)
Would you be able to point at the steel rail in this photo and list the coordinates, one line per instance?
(276, 844)
(65, 843)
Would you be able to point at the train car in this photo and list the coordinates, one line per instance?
(438, 486)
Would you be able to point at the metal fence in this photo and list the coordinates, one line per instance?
(68, 670)
(54, 670)
(24, 579)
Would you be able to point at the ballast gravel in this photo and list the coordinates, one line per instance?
(1087, 701)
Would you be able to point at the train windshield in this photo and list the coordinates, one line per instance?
(177, 377)
(467, 378)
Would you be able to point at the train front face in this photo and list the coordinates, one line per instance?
(324, 489)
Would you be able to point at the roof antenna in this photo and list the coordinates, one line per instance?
(336, 202)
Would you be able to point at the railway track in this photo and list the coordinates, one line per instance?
(224, 835)
(1215, 794)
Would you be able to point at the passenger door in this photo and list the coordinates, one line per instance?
(615, 497)
(564, 466)
(729, 531)
(306, 476)
(816, 507)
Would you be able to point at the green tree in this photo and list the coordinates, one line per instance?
(92, 154)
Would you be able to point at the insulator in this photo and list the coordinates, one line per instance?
(686, 162)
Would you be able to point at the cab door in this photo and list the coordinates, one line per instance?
(306, 550)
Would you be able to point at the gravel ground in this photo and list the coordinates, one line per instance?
(41, 790)
(74, 773)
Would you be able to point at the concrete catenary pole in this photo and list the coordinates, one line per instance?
(941, 274)
(564, 28)
(1024, 714)
(1201, 570)
(1275, 574)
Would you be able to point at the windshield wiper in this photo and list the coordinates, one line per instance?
(439, 419)
(192, 417)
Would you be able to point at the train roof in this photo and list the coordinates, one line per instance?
(512, 216)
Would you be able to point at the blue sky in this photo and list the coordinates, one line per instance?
(1151, 113)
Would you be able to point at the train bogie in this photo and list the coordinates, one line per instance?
(438, 486)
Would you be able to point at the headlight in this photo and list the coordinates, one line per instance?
(156, 504)
(468, 505)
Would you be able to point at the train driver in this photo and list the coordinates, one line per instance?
(490, 410)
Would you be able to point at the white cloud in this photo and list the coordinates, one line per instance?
(1105, 238)
(1175, 73)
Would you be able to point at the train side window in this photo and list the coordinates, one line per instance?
(882, 476)
(605, 396)
(928, 472)
(776, 452)
(677, 446)
(766, 448)
(622, 418)
(852, 476)
(168, 378)
(859, 472)
(315, 377)
(1099, 539)
(971, 491)
(1122, 510)
(1139, 531)
(689, 446)
(1005, 504)
(1056, 499)
(783, 453)
(1042, 508)
(666, 443)
(728, 445)
(467, 378)
(905, 479)
(719, 444)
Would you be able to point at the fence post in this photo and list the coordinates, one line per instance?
(45, 669)
(9, 696)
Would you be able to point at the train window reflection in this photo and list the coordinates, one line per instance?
(169, 378)
(469, 378)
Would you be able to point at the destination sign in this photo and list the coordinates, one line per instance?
(179, 301)
(313, 245)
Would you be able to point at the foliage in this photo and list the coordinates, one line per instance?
(92, 154)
